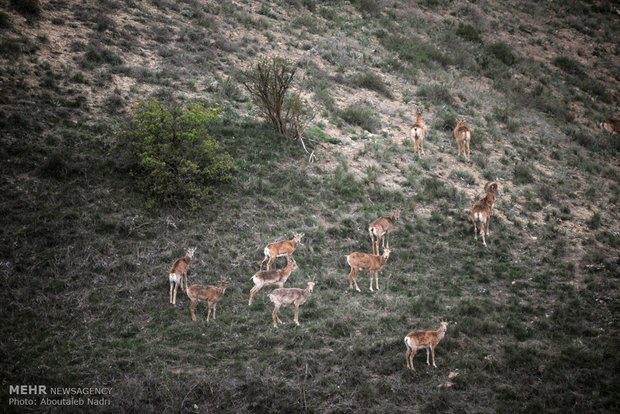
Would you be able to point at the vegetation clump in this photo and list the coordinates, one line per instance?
(170, 151)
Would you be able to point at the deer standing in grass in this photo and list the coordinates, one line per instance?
(271, 277)
(381, 227)
(289, 296)
(482, 210)
(416, 340)
(462, 135)
(363, 261)
(178, 272)
(417, 135)
(610, 125)
(281, 248)
(211, 294)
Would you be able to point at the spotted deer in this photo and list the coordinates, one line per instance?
(417, 135)
(463, 136)
(381, 227)
(271, 277)
(364, 261)
(481, 212)
(281, 248)
(211, 294)
(416, 340)
(289, 296)
(178, 272)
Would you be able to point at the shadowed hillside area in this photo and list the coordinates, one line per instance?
(128, 134)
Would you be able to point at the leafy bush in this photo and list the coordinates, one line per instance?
(361, 115)
(170, 151)
(522, 174)
(372, 81)
(568, 65)
(469, 32)
(27, 7)
(502, 52)
(437, 94)
(5, 20)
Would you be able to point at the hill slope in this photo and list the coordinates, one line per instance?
(533, 318)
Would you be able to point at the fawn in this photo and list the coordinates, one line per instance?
(211, 294)
(417, 135)
(416, 340)
(482, 210)
(365, 261)
(380, 227)
(289, 296)
(281, 248)
(462, 135)
(271, 277)
(178, 272)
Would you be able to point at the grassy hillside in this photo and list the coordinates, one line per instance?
(533, 318)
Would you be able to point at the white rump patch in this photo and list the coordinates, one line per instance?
(174, 277)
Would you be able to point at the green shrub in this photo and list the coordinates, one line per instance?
(361, 115)
(372, 81)
(469, 32)
(436, 94)
(5, 20)
(27, 7)
(522, 174)
(170, 151)
(502, 52)
(568, 65)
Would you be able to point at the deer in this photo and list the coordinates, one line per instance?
(364, 261)
(381, 227)
(289, 296)
(482, 210)
(178, 271)
(462, 135)
(417, 135)
(271, 277)
(610, 125)
(416, 340)
(281, 248)
(211, 294)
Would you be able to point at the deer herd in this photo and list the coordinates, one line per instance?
(378, 230)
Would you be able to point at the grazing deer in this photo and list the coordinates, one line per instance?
(271, 277)
(381, 227)
(178, 271)
(364, 261)
(289, 296)
(281, 248)
(416, 340)
(482, 210)
(610, 125)
(211, 294)
(417, 135)
(462, 135)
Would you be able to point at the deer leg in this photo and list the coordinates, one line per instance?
(482, 233)
(297, 314)
(467, 150)
(488, 221)
(352, 276)
(271, 259)
(261, 263)
(427, 363)
(407, 356)
(411, 355)
(274, 315)
(355, 281)
(370, 271)
(191, 309)
(174, 298)
(433, 355)
(422, 145)
(377, 279)
(475, 228)
(214, 309)
(171, 283)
